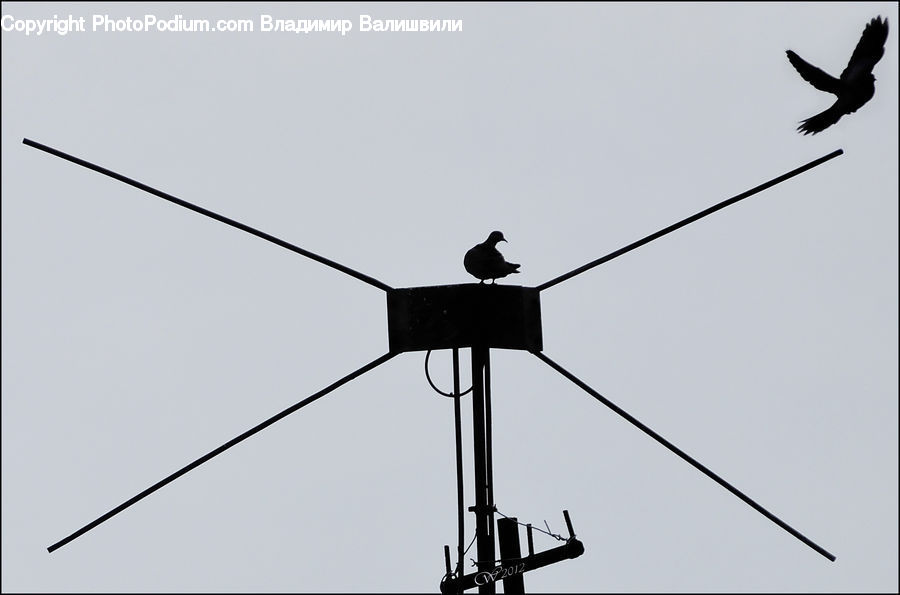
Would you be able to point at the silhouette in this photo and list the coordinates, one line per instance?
(484, 261)
(424, 323)
(857, 83)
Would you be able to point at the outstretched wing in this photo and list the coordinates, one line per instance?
(816, 77)
(869, 50)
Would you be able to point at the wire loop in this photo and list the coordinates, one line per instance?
(436, 389)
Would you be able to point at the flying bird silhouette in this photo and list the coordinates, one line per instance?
(857, 83)
(484, 261)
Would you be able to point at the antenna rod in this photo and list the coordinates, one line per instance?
(460, 496)
(690, 219)
(223, 448)
(681, 454)
(208, 213)
(484, 528)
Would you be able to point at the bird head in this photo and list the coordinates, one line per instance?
(496, 236)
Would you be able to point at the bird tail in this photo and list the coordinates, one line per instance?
(513, 268)
(820, 121)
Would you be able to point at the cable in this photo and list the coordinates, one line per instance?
(547, 532)
(455, 574)
(436, 389)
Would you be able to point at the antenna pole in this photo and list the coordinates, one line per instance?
(488, 447)
(510, 553)
(460, 496)
(484, 529)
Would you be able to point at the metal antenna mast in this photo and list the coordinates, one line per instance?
(480, 317)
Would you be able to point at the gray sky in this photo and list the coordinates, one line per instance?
(137, 335)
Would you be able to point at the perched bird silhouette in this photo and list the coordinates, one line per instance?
(857, 83)
(484, 261)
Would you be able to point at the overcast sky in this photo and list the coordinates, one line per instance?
(138, 335)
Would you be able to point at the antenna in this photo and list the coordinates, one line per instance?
(479, 317)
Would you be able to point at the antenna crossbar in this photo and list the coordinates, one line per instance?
(223, 448)
(335, 265)
(682, 454)
(690, 219)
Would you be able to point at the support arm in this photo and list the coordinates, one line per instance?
(690, 219)
(682, 454)
(223, 448)
(212, 215)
